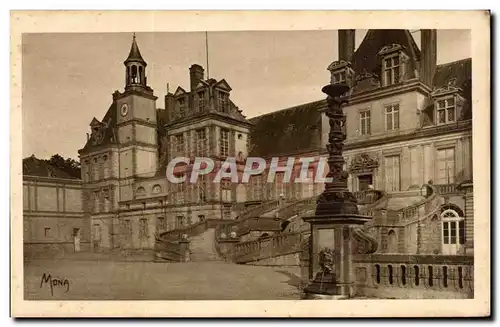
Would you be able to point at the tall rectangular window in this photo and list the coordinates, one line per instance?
(143, 228)
(201, 101)
(365, 122)
(179, 142)
(160, 223)
(96, 201)
(179, 222)
(179, 193)
(225, 186)
(392, 117)
(445, 111)
(391, 70)
(182, 107)
(392, 173)
(223, 101)
(47, 232)
(224, 142)
(446, 166)
(96, 231)
(127, 227)
(256, 187)
(202, 188)
(201, 142)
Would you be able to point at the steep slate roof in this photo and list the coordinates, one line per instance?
(109, 135)
(365, 58)
(134, 54)
(460, 70)
(287, 131)
(33, 166)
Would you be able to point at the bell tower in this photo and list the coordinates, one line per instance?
(136, 120)
(135, 67)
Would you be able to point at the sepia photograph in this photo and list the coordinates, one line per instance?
(280, 164)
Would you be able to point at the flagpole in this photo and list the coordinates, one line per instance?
(206, 49)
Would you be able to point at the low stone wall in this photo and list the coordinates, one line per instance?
(52, 250)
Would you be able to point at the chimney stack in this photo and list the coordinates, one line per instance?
(196, 74)
(346, 44)
(428, 56)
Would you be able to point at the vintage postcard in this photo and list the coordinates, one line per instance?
(312, 164)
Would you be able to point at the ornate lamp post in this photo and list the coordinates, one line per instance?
(333, 227)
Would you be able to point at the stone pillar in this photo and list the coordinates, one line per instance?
(184, 250)
(469, 218)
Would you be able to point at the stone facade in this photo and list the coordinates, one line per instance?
(408, 123)
(54, 220)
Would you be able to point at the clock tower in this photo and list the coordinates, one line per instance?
(136, 120)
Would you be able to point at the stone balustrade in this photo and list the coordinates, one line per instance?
(273, 246)
(414, 276)
(368, 196)
(446, 188)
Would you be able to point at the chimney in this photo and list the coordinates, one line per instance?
(196, 74)
(346, 44)
(428, 56)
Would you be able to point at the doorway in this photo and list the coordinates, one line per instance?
(76, 239)
(365, 181)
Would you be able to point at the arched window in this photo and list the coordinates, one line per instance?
(141, 76)
(453, 235)
(389, 268)
(156, 189)
(392, 242)
(134, 74)
(140, 192)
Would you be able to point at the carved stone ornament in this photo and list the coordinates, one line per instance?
(390, 48)
(362, 162)
(338, 64)
(447, 89)
(326, 260)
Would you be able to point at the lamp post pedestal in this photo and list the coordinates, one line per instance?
(334, 225)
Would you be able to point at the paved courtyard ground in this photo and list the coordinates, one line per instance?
(118, 280)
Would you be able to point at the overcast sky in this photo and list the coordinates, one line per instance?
(68, 78)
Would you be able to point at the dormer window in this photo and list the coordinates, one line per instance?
(182, 107)
(223, 101)
(392, 70)
(341, 72)
(201, 101)
(393, 64)
(445, 110)
(339, 77)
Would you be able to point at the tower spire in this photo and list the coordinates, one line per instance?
(134, 54)
(135, 66)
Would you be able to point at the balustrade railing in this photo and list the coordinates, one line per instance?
(268, 247)
(368, 196)
(446, 188)
(418, 272)
(420, 209)
(191, 230)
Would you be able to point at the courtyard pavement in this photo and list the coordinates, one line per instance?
(92, 279)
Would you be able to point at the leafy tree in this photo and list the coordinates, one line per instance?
(70, 166)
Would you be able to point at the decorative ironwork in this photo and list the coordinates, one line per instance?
(336, 199)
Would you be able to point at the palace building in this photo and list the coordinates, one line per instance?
(408, 124)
